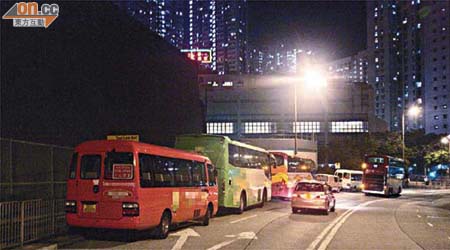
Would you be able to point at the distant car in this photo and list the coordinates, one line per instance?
(312, 194)
(331, 180)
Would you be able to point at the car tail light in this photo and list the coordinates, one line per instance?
(71, 207)
(130, 209)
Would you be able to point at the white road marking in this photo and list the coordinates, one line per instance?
(333, 232)
(449, 237)
(418, 216)
(243, 235)
(242, 219)
(429, 224)
(325, 231)
(184, 234)
(230, 236)
(333, 227)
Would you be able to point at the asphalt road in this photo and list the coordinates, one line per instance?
(419, 219)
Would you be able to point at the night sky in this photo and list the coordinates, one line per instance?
(332, 29)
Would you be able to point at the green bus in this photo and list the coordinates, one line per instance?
(243, 170)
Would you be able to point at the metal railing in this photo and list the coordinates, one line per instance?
(26, 221)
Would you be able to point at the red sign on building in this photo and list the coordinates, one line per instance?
(200, 55)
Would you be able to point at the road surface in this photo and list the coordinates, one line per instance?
(419, 219)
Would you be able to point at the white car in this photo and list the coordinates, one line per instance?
(350, 180)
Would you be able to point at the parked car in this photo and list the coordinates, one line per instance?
(331, 180)
(312, 194)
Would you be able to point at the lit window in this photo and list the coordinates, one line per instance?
(219, 128)
(259, 127)
(349, 127)
(306, 127)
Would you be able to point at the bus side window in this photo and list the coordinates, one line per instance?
(212, 174)
(182, 172)
(198, 174)
(146, 175)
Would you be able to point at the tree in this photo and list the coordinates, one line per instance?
(436, 157)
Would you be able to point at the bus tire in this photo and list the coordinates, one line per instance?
(242, 203)
(208, 215)
(162, 231)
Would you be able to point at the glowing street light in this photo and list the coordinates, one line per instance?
(446, 140)
(312, 77)
(412, 111)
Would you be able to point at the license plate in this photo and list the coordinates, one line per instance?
(89, 208)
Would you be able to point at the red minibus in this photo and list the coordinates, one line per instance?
(132, 185)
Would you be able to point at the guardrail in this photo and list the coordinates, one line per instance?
(442, 183)
(26, 221)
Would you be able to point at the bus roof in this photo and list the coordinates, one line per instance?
(225, 139)
(389, 157)
(109, 145)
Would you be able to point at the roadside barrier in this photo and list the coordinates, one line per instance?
(26, 221)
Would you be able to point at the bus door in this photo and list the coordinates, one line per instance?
(88, 185)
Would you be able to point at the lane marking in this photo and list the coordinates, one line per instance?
(242, 219)
(243, 235)
(184, 234)
(418, 216)
(335, 229)
(429, 224)
(331, 227)
(220, 245)
(316, 241)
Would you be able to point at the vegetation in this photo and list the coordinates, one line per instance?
(422, 150)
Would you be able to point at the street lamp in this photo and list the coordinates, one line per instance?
(413, 111)
(446, 140)
(313, 78)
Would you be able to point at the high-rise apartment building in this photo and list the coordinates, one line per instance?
(408, 45)
(352, 68)
(277, 60)
(435, 18)
(218, 26)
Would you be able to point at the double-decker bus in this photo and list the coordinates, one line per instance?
(132, 185)
(243, 170)
(287, 172)
(383, 175)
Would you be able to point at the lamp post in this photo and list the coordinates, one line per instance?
(312, 78)
(413, 111)
(446, 140)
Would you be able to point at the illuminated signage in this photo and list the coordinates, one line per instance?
(123, 137)
(200, 55)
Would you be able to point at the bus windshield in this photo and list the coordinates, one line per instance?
(279, 160)
(297, 165)
(375, 160)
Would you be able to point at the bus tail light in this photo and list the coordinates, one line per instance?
(130, 209)
(71, 207)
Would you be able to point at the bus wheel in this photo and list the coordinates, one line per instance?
(162, 231)
(208, 215)
(242, 203)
